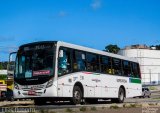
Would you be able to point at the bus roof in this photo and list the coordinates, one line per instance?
(82, 48)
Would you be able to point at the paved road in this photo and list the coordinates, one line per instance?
(155, 98)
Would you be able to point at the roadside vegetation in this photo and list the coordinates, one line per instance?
(152, 88)
(83, 109)
(69, 110)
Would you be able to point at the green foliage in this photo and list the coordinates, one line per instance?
(114, 107)
(157, 47)
(83, 109)
(52, 112)
(133, 105)
(93, 108)
(31, 112)
(151, 104)
(124, 105)
(112, 48)
(158, 98)
(3, 77)
(103, 107)
(1, 66)
(69, 110)
(152, 88)
(44, 111)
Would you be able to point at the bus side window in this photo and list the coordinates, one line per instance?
(135, 70)
(79, 63)
(116, 66)
(127, 68)
(64, 61)
(105, 64)
(92, 62)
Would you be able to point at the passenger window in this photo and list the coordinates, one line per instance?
(127, 69)
(106, 65)
(64, 61)
(135, 70)
(79, 63)
(92, 62)
(116, 67)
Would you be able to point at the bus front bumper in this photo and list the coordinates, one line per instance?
(31, 93)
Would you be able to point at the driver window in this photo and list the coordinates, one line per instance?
(64, 61)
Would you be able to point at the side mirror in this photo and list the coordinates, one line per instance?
(61, 53)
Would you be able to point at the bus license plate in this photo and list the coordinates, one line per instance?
(31, 92)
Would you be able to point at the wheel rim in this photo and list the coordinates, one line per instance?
(77, 96)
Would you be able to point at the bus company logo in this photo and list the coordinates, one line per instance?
(122, 80)
(96, 80)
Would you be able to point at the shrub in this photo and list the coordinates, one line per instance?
(93, 108)
(83, 109)
(114, 107)
(69, 110)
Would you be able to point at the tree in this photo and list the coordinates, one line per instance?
(156, 46)
(1, 67)
(112, 48)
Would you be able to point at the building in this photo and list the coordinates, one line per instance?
(149, 60)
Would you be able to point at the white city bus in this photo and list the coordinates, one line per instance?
(55, 70)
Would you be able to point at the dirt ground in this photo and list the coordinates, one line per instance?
(107, 110)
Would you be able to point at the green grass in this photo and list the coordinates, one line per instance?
(133, 105)
(43, 111)
(52, 112)
(124, 105)
(114, 107)
(69, 110)
(103, 107)
(31, 112)
(158, 98)
(93, 108)
(151, 104)
(152, 88)
(83, 109)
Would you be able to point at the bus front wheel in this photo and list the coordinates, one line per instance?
(77, 95)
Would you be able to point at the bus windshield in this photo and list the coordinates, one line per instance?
(34, 64)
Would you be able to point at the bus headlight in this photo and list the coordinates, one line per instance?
(50, 83)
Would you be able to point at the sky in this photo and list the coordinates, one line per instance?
(90, 23)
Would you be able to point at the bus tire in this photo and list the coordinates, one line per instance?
(77, 95)
(121, 96)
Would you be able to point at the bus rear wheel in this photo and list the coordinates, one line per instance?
(77, 95)
(121, 96)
